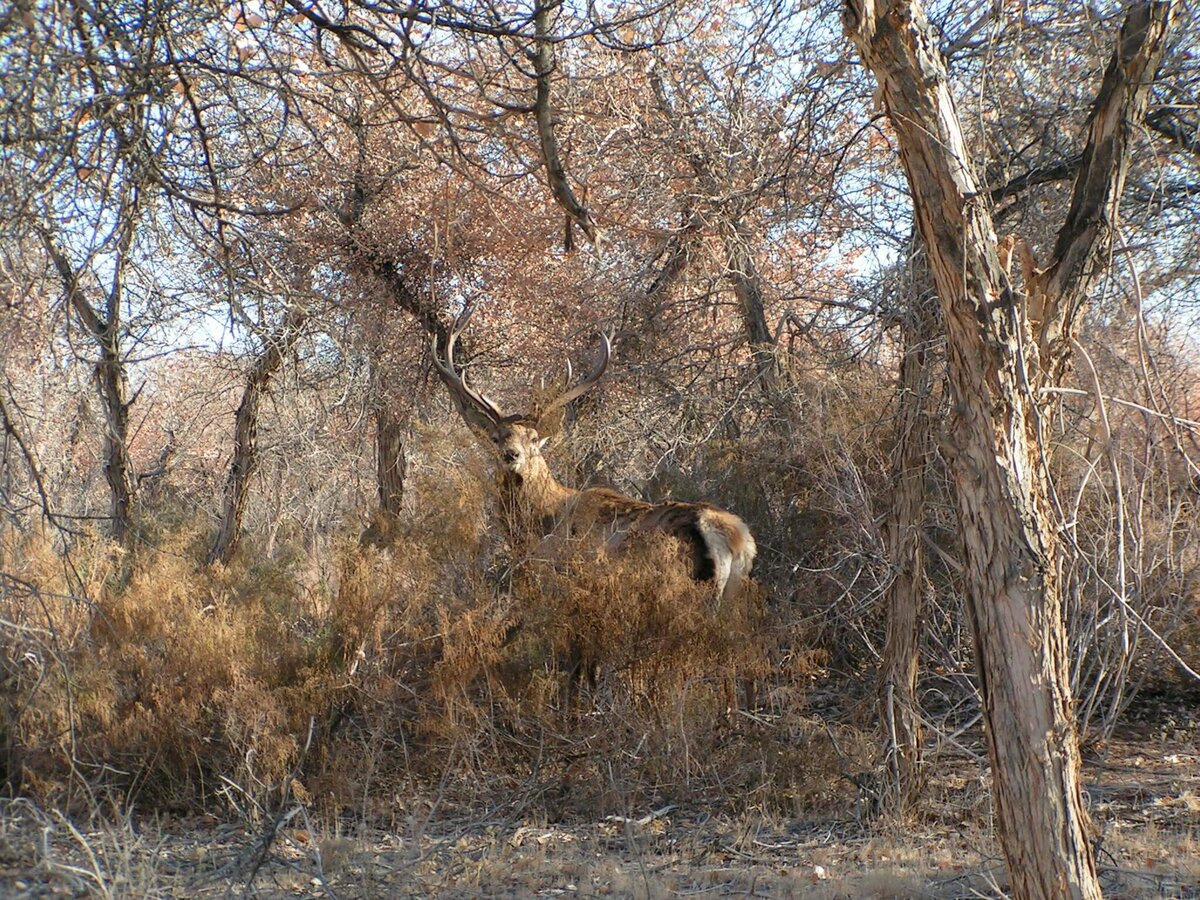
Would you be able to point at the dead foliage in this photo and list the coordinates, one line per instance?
(427, 656)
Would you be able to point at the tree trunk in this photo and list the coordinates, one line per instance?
(112, 386)
(747, 287)
(900, 720)
(556, 173)
(118, 469)
(245, 435)
(1002, 348)
(390, 466)
(675, 255)
(1012, 570)
(740, 269)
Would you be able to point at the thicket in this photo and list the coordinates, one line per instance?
(421, 657)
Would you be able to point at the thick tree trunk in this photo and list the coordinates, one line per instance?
(245, 435)
(900, 719)
(1012, 570)
(1002, 348)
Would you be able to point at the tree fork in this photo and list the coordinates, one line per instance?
(998, 357)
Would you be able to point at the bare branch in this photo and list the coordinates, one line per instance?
(556, 172)
(1086, 235)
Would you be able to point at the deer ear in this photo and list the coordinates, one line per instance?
(541, 444)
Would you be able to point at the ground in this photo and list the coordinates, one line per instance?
(1143, 790)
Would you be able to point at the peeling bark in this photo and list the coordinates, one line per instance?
(900, 720)
(999, 355)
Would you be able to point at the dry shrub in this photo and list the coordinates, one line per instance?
(428, 659)
(811, 477)
(173, 682)
(656, 723)
(638, 617)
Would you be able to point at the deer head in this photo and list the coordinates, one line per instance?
(517, 437)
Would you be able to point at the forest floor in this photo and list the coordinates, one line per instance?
(1143, 790)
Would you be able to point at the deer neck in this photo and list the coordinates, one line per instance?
(537, 493)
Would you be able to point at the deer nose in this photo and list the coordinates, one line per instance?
(510, 456)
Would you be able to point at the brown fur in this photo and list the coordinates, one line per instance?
(719, 544)
(541, 509)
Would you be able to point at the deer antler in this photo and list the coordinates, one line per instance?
(546, 420)
(476, 410)
(479, 412)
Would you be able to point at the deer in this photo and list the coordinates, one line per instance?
(716, 545)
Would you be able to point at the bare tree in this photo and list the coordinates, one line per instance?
(1031, 158)
(1005, 344)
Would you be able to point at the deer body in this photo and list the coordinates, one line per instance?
(717, 544)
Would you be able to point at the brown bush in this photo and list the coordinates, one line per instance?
(173, 682)
(433, 660)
